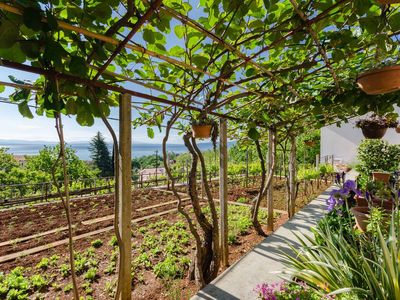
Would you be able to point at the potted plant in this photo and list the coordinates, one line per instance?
(204, 127)
(383, 198)
(380, 175)
(375, 126)
(381, 80)
(397, 129)
(361, 201)
(309, 143)
(388, 1)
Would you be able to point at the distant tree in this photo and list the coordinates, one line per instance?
(47, 157)
(101, 155)
(7, 161)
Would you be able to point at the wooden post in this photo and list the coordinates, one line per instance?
(125, 202)
(247, 168)
(270, 195)
(292, 177)
(223, 191)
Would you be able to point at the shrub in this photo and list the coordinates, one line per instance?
(377, 155)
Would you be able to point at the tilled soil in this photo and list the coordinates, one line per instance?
(29, 220)
(23, 222)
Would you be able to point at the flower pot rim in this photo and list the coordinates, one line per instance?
(361, 209)
(202, 125)
(378, 70)
(382, 172)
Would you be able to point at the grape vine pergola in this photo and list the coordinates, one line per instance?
(278, 66)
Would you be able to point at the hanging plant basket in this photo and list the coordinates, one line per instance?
(375, 126)
(201, 131)
(381, 176)
(380, 81)
(388, 1)
(309, 143)
(373, 132)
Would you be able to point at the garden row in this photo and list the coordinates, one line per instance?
(161, 256)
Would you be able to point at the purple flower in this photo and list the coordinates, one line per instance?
(349, 185)
(331, 202)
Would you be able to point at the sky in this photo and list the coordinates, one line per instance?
(15, 127)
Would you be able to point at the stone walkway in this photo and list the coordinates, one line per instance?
(264, 263)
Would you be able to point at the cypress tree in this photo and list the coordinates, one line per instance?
(101, 155)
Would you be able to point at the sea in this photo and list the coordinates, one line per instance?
(17, 147)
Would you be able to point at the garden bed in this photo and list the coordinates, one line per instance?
(161, 254)
(162, 246)
(22, 222)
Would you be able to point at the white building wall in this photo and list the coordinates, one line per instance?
(342, 142)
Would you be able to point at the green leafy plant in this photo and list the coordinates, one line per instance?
(97, 243)
(38, 282)
(43, 264)
(375, 154)
(91, 274)
(340, 266)
(65, 270)
(169, 268)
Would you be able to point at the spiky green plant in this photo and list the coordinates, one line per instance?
(340, 265)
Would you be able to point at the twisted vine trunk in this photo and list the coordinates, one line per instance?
(266, 184)
(66, 202)
(196, 262)
(257, 200)
(293, 187)
(208, 255)
(116, 170)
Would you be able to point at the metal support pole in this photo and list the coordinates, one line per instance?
(223, 191)
(125, 185)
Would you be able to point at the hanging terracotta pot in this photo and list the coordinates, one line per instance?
(373, 132)
(201, 131)
(381, 176)
(388, 1)
(309, 143)
(361, 214)
(380, 81)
